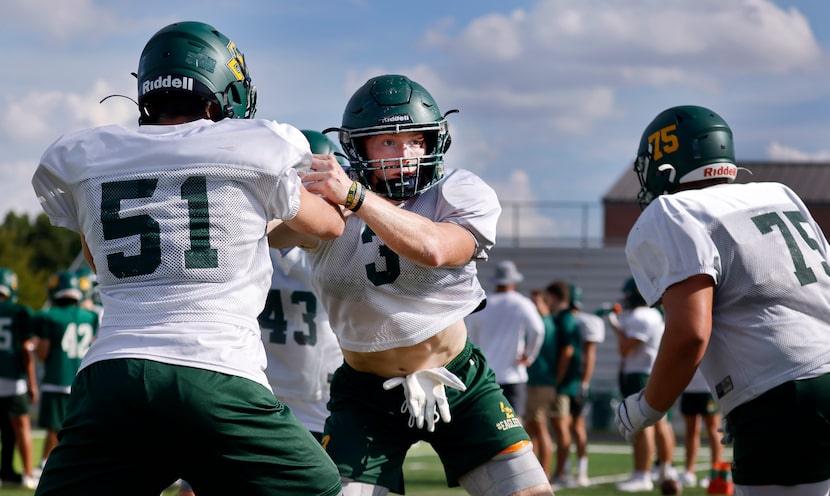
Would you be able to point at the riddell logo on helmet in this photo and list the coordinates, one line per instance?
(722, 171)
(392, 119)
(169, 81)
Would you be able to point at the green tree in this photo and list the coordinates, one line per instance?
(35, 250)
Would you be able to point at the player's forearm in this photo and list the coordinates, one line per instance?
(673, 370)
(415, 237)
(688, 315)
(590, 362)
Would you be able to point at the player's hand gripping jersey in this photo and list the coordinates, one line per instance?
(769, 261)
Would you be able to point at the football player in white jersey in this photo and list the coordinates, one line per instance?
(301, 349)
(742, 272)
(592, 332)
(639, 330)
(397, 285)
(173, 219)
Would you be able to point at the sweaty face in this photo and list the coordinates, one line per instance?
(394, 152)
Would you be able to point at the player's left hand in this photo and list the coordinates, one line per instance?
(327, 178)
(634, 414)
(426, 398)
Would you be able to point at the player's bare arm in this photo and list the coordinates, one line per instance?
(687, 306)
(317, 217)
(412, 236)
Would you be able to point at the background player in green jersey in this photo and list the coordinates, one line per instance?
(64, 331)
(18, 386)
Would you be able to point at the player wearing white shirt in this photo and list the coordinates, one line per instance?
(645, 325)
(639, 334)
(397, 285)
(509, 331)
(742, 272)
(173, 220)
(697, 405)
(592, 332)
(300, 347)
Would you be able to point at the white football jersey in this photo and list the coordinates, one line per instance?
(506, 330)
(377, 300)
(769, 262)
(591, 327)
(645, 325)
(301, 349)
(175, 219)
(697, 384)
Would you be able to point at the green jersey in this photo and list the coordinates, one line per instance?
(568, 334)
(69, 330)
(542, 372)
(15, 328)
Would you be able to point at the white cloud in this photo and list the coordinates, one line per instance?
(69, 19)
(528, 221)
(16, 193)
(560, 49)
(778, 152)
(41, 116)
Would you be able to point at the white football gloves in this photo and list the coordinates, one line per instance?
(426, 398)
(634, 414)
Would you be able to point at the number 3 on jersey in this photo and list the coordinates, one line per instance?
(193, 190)
(393, 262)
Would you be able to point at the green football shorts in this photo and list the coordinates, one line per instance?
(783, 436)
(368, 434)
(52, 410)
(133, 427)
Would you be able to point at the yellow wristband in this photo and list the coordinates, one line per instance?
(359, 201)
(351, 196)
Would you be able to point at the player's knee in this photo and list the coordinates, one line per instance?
(513, 470)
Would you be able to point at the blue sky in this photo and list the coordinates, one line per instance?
(553, 94)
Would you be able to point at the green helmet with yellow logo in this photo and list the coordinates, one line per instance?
(8, 284)
(195, 58)
(681, 145)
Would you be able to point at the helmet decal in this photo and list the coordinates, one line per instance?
(194, 57)
(681, 145)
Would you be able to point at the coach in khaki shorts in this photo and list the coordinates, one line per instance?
(541, 386)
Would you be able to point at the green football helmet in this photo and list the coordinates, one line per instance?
(194, 57)
(322, 144)
(8, 284)
(64, 285)
(681, 145)
(631, 295)
(88, 282)
(393, 104)
(576, 296)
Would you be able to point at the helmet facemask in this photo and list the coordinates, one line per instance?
(396, 178)
(393, 104)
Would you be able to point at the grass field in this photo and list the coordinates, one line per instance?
(610, 462)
